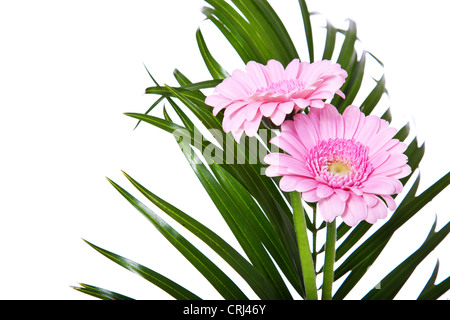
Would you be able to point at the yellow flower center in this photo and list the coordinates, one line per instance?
(338, 169)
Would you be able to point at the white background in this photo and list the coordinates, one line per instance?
(69, 69)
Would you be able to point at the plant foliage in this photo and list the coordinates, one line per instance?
(255, 209)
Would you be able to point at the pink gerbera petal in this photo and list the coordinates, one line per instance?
(324, 191)
(278, 117)
(331, 207)
(252, 126)
(274, 91)
(378, 211)
(310, 196)
(328, 159)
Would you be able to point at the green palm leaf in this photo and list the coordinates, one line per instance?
(232, 209)
(100, 293)
(215, 69)
(364, 256)
(432, 291)
(308, 28)
(224, 285)
(252, 205)
(172, 288)
(248, 272)
(393, 282)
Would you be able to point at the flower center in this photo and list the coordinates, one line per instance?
(340, 163)
(338, 169)
(282, 87)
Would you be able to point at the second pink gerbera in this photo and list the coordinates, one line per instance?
(273, 92)
(349, 164)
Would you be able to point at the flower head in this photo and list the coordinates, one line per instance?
(273, 92)
(349, 164)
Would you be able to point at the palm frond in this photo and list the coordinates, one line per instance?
(252, 205)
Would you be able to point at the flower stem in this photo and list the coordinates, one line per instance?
(328, 268)
(314, 238)
(309, 275)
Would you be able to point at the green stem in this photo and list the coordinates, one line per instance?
(309, 275)
(314, 239)
(328, 268)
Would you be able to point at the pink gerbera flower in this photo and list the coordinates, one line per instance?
(349, 164)
(273, 92)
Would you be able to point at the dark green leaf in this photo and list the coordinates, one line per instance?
(228, 205)
(415, 155)
(431, 282)
(278, 27)
(360, 230)
(166, 125)
(387, 115)
(374, 97)
(220, 281)
(258, 185)
(403, 133)
(433, 291)
(150, 109)
(308, 29)
(260, 225)
(215, 69)
(100, 292)
(330, 42)
(264, 32)
(181, 78)
(245, 33)
(200, 109)
(368, 250)
(394, 281)
(347, 59)
(353, 84)
(172, 288)
(221, 247)
(233, 38)
(347, 52)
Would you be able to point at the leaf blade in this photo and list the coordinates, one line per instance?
(377, 241)
(100, 293)
(214, 68)
(308, 30)
(393, 282)
(218, 279)
(172, 288)
(228, 207)
(221, 247)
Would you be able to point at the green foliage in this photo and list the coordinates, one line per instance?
(255, 209)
